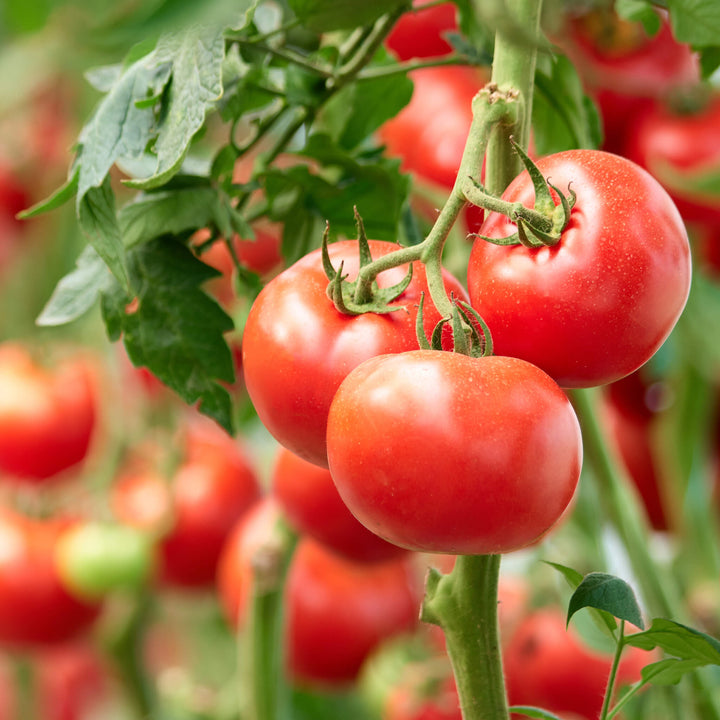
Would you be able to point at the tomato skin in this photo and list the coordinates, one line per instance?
(35, 607)
(419, 34)
(596, 306)
(47, 417)
(429, 133)
(311, 503)
(409, 462)
(297, 347)
(549, 667)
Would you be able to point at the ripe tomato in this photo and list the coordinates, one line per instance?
(625, 69)
(550, 667)
(420, 33)
(310, 501)
(429, 133)
(408, 459)
(677, 146)
(337, 611)
(297, 347)
(194, 512)
(596, 306)
(47, 417)
(420, 698)
(35, 607)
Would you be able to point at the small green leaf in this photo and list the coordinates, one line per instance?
(696, 22)
(640, 11)
(58, 198)
(608, 593)
(78, 291)
(678, 640)
(669, 671)
(97, 218)
(533, 712)
(328, 15)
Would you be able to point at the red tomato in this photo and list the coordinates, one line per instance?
(35, 608)
(337, 611)
(429, 133)
(420, 33)
(310, 501)
(550, 667)
(678, 147)
(408, 459)
(419, 698)
(194, 512)
(297, 347)
(596, 306)
(625, 69)
(47, 417)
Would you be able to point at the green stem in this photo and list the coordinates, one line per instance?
(464, 605)
(410, 66)
(513, 66)
(613, 673)
(512, 210)
(289, 56)
(26, 707)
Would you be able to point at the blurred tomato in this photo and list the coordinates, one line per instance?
(420, 33)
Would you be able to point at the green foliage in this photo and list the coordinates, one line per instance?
(327, 15)
(608, 593)
(696, 22)
(533, 712)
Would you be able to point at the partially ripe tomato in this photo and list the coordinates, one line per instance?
(420, 33)
(598, 304)
(297, 347)
(310, 501)
(550, 667)
(193, 512)
(440, 452)
(338, 611)
(47, 416)
(420, 698)
(36, 609)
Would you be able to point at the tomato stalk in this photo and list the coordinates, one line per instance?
(464, 604)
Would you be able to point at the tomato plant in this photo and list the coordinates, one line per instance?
(402, 429)
(297, 347)
(597, 305)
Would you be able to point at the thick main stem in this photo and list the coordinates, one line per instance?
(464, 604)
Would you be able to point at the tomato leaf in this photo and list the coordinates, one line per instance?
(328, 15)
(78, 291)
(696, 22)
(669, 671)
(678, 640)
(533, 712)
(176, 330)
(608, 593)
(195, 59)
(56, 200)
(640, 11)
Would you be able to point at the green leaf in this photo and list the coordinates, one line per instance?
(678, 640)
(176, 330)
(608, 593)
(696, 22)
(710, 63)
(640, 11)
(78, 291)
(573, 577)
(196, 59)
(57, 199)
(669, 671)
(327, 15)
(103, 78)
(97, 218)
(533, 712)
(563, 116)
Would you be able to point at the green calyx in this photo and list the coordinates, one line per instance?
(540, 226)
(362, 295)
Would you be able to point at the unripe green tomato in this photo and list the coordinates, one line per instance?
(94, 559)
(328, 15)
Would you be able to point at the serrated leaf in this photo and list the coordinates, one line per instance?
(78, 291)
(98, 221)
(57, 199)
(669, 671)
(196, 60)
(177, 329)
(609, 593)
(533, 712)
(678, 640)
(696, 22)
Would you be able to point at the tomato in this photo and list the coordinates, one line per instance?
(418, 698)
(311, 503)
(35, 607)
(625, 69)
(596, 306)
(297, 347)
(194, 512)
(47, 417)
(338, 611)
(420, 33)
(550, 667)
(409, 460)
(14, 197)
(679, 147)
